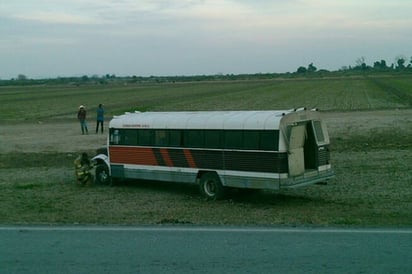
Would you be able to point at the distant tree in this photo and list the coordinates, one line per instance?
(312, 68)
(21, 77)
(380, 65)
(301, 70)
(360, 61)
(400, 62)
(361, 64)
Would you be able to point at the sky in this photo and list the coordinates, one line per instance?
(64, 38)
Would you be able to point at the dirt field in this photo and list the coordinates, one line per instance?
(371, 156)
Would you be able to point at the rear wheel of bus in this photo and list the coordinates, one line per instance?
(211, 187)
(102, 175)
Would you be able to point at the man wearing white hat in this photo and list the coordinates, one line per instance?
(81, 115)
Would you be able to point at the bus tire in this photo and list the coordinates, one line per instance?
(211, 187)
(102, 175)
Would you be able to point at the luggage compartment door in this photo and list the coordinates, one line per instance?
(296, 157)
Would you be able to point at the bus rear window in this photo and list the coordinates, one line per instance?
(317, 126)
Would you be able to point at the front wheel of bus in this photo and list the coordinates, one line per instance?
(211, 187)
(102, 175)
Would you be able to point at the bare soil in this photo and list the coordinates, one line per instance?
(48, 136)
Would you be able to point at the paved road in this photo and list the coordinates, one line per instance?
(188, 249)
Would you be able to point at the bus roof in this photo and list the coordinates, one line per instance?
(265, 120)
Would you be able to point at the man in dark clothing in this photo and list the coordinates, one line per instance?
(99, 118)
(81, 115)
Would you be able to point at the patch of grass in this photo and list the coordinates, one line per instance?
(22, 160)
(373, 140)
(27, 186)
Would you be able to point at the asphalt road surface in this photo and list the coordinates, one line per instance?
(195, 249)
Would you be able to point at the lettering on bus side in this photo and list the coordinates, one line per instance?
(136, 125)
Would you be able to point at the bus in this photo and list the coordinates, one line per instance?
(218, 149)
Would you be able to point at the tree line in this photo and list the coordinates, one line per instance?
(401, 64)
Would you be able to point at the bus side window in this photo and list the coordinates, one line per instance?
(128, 137)
(269, 140)
(233, 139)
(194, 138)
(251, 139)
(161, 138)
(115, 137)
(145, 137)
(175, 138)
(213, 139)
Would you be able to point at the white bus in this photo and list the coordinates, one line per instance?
(218, 149)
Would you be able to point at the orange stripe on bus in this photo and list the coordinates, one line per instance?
(132, 155)
(166, 157)
(189, 158)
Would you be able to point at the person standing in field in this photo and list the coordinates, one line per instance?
(99, 118)
(81, 115)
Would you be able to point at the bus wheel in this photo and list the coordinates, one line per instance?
(211, 187)
(102, 175)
